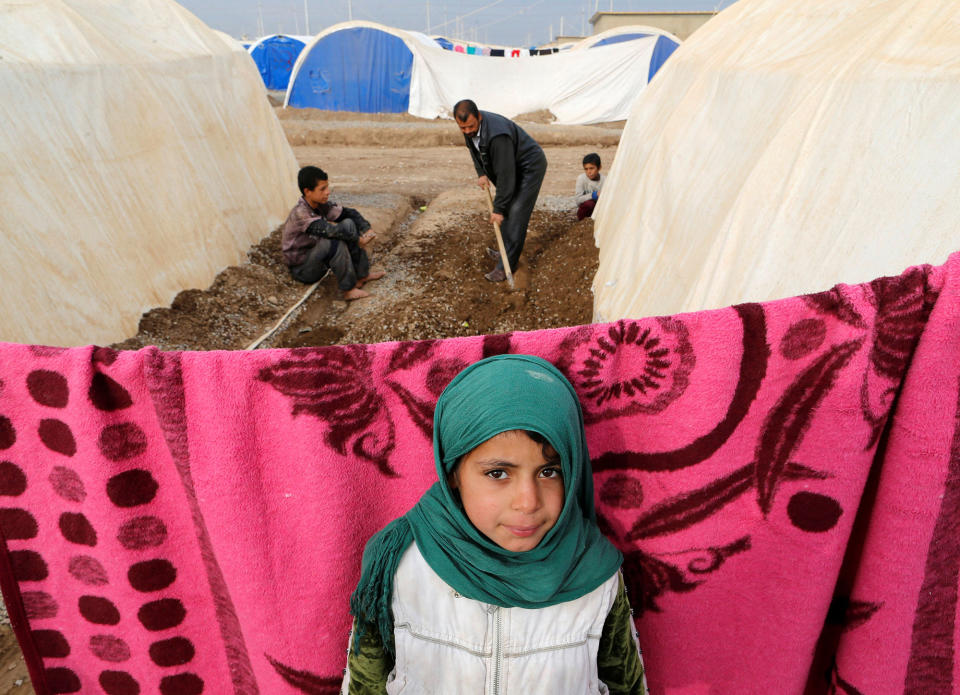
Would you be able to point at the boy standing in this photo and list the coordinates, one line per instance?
(319, 234)
(588, 187)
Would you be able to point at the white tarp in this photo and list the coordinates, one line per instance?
(786, 147)
(587, 86)
(591, 86)
(138, 157)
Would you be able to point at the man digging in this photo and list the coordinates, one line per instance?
(319, 234)
(505, 155)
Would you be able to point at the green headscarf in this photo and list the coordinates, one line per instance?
(506, 392)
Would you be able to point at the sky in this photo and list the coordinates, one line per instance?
(506, 22)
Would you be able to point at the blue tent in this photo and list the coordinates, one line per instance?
(664, 48)
(354, 69)
(275, 56)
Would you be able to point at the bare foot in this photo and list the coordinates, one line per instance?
(375, 274)
(355, 293)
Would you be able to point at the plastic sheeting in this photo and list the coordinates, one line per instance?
(275, 56)
(355, 69)
(784, 148)
(138, 157)
(359, 66)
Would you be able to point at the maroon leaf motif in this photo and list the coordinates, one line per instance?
(305, 681)
(410, 354)
(421, 412)
(687, 509)
(684, 510)
(622, 491)
(497, 344)
(802, 338)
(902, 311)
(333, 385)
(858, 613)
(839, 686)
(903, 305)
(716, 556)
(834, 303)
(647, 578)
(442, 372)
(796, 471)
(788, 421)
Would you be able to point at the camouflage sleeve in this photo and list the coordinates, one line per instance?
(619, 663)
(358, 219)
(368, 664)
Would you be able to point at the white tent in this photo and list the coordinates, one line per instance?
(361, 66)
(786, 147)
(138, 157)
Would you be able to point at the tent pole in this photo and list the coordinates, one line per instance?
(306, 18)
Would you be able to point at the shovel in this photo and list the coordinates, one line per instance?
(496, 231)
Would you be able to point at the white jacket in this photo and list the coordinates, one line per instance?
(447, 644)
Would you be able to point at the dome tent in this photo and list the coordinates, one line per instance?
(361, 66)
(275, 56)
(785, 148)
(664, 46)
(139, 159)
(354, 66)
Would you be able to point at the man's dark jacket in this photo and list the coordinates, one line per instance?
(506, 154)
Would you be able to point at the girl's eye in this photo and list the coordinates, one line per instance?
(551, 472)
(496, 474)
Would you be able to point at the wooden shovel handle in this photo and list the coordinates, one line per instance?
(496, 231)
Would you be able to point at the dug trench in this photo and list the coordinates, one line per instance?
(434, 255)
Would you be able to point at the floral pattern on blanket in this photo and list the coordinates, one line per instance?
(186, 522)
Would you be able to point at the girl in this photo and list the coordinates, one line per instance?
(498, 580)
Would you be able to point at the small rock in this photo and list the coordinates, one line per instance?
(272, 299)
(338, 304)
(305, 329)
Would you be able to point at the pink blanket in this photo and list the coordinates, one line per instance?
(783, 479)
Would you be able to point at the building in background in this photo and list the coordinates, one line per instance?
(680, 24)
(559, 41)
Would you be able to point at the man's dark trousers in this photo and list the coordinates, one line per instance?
(515, 221)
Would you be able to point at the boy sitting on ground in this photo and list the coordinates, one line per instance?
(320, 234)
(588, 187)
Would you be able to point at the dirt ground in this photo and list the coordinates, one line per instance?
(412, 178)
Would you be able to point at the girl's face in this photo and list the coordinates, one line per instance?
(509, 491)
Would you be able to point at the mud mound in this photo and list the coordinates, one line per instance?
(541, 116)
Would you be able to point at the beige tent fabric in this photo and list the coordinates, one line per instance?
(786, 147)
(138, 157)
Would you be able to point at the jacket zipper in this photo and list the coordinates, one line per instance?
(497, 649)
